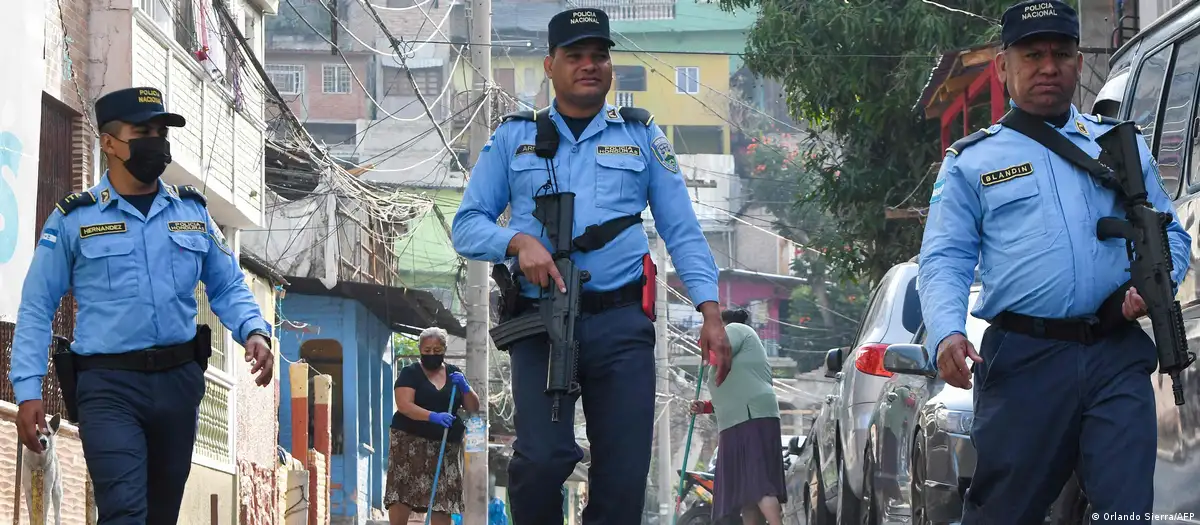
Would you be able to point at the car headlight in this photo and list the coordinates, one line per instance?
(954, 421)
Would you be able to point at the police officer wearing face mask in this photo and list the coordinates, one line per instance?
(1062, 377)
(132, 250)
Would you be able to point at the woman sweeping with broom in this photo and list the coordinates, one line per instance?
(749, 478)
(421, 450)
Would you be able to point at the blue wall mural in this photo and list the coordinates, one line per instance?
(10, 157)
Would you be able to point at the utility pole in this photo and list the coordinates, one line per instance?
(475, 480)
(663, 354)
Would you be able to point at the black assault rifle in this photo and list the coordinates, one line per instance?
(557, 311)
(1149, 250)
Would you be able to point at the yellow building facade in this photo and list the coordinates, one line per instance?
(687, 93)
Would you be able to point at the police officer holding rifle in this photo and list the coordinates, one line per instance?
(1062, 377)
(577, 318)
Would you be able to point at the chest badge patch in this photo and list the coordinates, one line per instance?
(525, 149)
(992, 178)
(665, 154)
(619, 150)
(101, 229)
(187, 226)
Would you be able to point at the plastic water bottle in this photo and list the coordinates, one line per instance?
(476, 437)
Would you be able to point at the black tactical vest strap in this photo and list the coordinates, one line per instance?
(546, 143)
(598, 235)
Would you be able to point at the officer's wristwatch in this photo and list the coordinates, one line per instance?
(266, 336)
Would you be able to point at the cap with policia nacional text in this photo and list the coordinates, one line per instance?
(135, 106)
(574, 25)
(1038, 17)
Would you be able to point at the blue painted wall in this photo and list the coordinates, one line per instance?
(357, 475)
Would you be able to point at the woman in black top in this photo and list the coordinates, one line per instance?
(423, 413)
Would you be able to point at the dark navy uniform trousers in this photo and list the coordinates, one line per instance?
(1045, 409)
(138, 430)
(617, 377)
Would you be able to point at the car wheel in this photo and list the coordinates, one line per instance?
(814, 497)
(870, 511)
(920, 515)
(849, 508)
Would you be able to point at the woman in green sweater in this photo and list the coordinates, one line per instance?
(749, 477)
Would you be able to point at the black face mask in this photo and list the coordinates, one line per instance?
(148, 158)
(432, 361)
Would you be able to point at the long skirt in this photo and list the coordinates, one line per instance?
(749, 466)
(412, 461)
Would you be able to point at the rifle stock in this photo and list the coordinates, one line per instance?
(1144, 230)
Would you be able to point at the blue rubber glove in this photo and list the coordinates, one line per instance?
(460, 381)
(441, 418)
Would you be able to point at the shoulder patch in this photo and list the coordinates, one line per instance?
(75, 200)
(1101, 119)
(970, 140)
(936, 196)
(630, 114)
(517, 115)
(665, 153)
(190, 192)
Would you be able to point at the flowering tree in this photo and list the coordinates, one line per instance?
(824, 313)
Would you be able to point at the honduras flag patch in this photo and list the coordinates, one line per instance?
(937, 191)
(49, 238)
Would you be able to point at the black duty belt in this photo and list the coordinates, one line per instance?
(150, 360)
(596, 302)
(1076, 330)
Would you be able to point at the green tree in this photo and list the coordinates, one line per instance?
(825, 312)
(853, 70)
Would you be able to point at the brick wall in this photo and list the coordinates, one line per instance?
(66, 77)
(258, 494)
(315, 105)
(319, 493)
(70, 460)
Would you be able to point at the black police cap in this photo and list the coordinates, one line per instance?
(135, 106)
(1038, 17)
(574, 25)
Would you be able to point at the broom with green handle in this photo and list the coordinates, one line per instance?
(687, 447)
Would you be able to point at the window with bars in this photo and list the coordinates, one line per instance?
(213, 440)
(287, 78)
(429, 80)
(335, 78)
(212, 431)
(205, 315)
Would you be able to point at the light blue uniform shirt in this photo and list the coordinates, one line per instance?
(610, 179)
(133, 279)
(1028, 218)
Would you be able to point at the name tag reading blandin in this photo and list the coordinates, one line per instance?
(1012, 172)
(619, 150)
(101, 229)
(187, 226)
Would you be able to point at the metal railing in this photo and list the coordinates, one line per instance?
(633, 9)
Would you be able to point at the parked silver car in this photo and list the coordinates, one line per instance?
(839, 434)
(920, 459)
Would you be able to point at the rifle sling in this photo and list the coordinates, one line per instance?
(1037, 130)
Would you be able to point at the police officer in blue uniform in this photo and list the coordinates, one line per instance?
(615, 160)
(1062, 376)
(132, 250)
